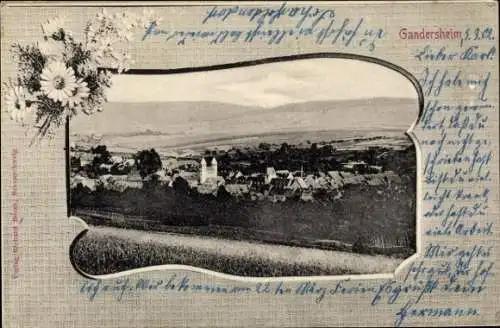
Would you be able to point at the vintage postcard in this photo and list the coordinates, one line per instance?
(250, 164)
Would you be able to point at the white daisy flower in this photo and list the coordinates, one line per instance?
(123, 21)
(122, 62)
(103, 14)
(80, 93)
(52, 49)
(150, 17)
(103, 46)
(52, 26)
(86, 67)
(127, 35)
(125, 26)
(89, 110)
(15, 101)
(58, 81)
(90, 33)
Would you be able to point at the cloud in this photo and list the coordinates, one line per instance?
(268, 85)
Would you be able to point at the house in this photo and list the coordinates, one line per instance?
(105, 168)
(257, 196)
(84, 162)
(116, 160)
(355, 167)
(375, 169)
(240, 179)
(215, 181)
(169, 163)
(283, 173)
(275, 198)
(242, 164)
(134, 175)
(336, 179)
(299, 183)
(190, 177)
(310, 181)
(346, 175)
(392, 177)
(85, 182)
(131, 180)
(278, 185)
(321, 183)
(160, 176)
(235, 176)
(237, 189)
(233, 153)
(384, 155)
(307, 196)
(374, 180)
(129, 162)
(270, 174)
(207, 189)
(76, 164)
(189, 164)
(302, 188)
(108, 182)
(354, 180)
(87, 157)
(256, 181)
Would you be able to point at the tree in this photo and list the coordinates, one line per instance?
(148, 162)
(223, 194)
(371, 156)
(76, 163)
(102, 152)
(264, 146)
(314, 154)
(102, 157)
(284, 147)
(181, 186)
(153, 183)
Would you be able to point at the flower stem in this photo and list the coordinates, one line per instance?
(68, 166)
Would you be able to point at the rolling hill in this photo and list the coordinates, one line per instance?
(182, 124)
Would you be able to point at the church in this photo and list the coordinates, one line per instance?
(208, 170)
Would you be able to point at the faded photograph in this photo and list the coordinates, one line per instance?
(295, 168)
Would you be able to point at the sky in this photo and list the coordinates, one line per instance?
(267, 85)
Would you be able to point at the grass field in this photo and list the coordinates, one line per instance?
(105, 250)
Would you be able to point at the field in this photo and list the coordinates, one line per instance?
(196, 125)
(105, 250)
(384, 222)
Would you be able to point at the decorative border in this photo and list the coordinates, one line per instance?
(182, 70)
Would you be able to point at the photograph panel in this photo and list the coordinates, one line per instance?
(295, 168)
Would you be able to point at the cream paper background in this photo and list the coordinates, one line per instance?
(46, 292)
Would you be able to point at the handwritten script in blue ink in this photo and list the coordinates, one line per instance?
(455, 135)
(454, 132)
(463, 271)
(274, 25)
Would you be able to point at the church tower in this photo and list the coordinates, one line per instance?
(203, 170)
(214, 168)
(208, 170)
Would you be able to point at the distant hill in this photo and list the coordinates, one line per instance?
(182, 123)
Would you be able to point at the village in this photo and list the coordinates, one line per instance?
(249, 174)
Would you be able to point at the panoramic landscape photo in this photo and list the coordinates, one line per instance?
(298, 168)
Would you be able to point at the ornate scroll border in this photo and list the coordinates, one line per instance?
(332, 55)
